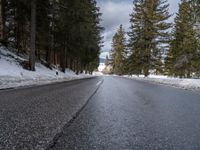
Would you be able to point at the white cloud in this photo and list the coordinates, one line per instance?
(116, 12)
(104, 54)
(173, 5)
(173, 9)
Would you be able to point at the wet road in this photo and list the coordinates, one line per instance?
(31, 117)
(131, 115)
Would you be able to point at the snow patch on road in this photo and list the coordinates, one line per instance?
(188, 84)
(13, 75)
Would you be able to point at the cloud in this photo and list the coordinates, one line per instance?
(173, 9)
(174, 5)
(116, 12)
(104, 54)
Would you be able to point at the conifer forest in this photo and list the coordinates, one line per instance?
(156, 45)
(68, 33)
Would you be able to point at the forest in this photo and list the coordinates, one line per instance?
(157, 46)
(68, 34)
(55, 32)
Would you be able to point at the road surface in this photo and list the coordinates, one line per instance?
(121, 114)
(31, 118)
(130, 115)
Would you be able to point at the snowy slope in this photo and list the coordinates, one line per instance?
(188, 84)
(13, 75)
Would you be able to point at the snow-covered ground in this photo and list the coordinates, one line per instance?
(188, 84)
(13, 75)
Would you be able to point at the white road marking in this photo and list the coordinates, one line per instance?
(98, 83)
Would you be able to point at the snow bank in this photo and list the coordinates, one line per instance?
(13, 75)
(188, 84)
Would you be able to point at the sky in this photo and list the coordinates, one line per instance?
(116, 12)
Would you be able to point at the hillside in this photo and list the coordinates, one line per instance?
(12, 74)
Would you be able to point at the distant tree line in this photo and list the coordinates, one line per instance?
(64, 32)
(157, 46)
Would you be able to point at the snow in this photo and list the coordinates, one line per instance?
(97, 73)
(187, 84)
(101, 67)
(13, 75)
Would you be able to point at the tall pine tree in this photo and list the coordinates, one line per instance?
(149, 34)
(181, 58)
(118, 50)
(63, 32)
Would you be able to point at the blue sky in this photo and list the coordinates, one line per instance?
(116, 12)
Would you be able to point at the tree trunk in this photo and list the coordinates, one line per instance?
(74, 65)
(51, 49)
(77, 67)
(70, 63)
(33, 35)
(146, 71)
(64, 58)
(2, 20)
(49, 56)
(54, 57)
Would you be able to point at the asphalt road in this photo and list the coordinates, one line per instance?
(116, 114)
(131, 115)
(31, 118)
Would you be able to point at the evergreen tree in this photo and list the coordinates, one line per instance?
(183, 52)
(43, 32)
(118, 50)
(149, 35)
(196, 7)
(107, 63)
(17, 14)
(63, 32)
(78, 33)
(136, 41)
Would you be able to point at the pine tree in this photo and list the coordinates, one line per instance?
(107, 63)
(136, 41)
(118, 50)
(183, 50)
(64, 32)
(196, 8)
(17, 15)
(149, 33)
(79, 32)
(43, 32)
